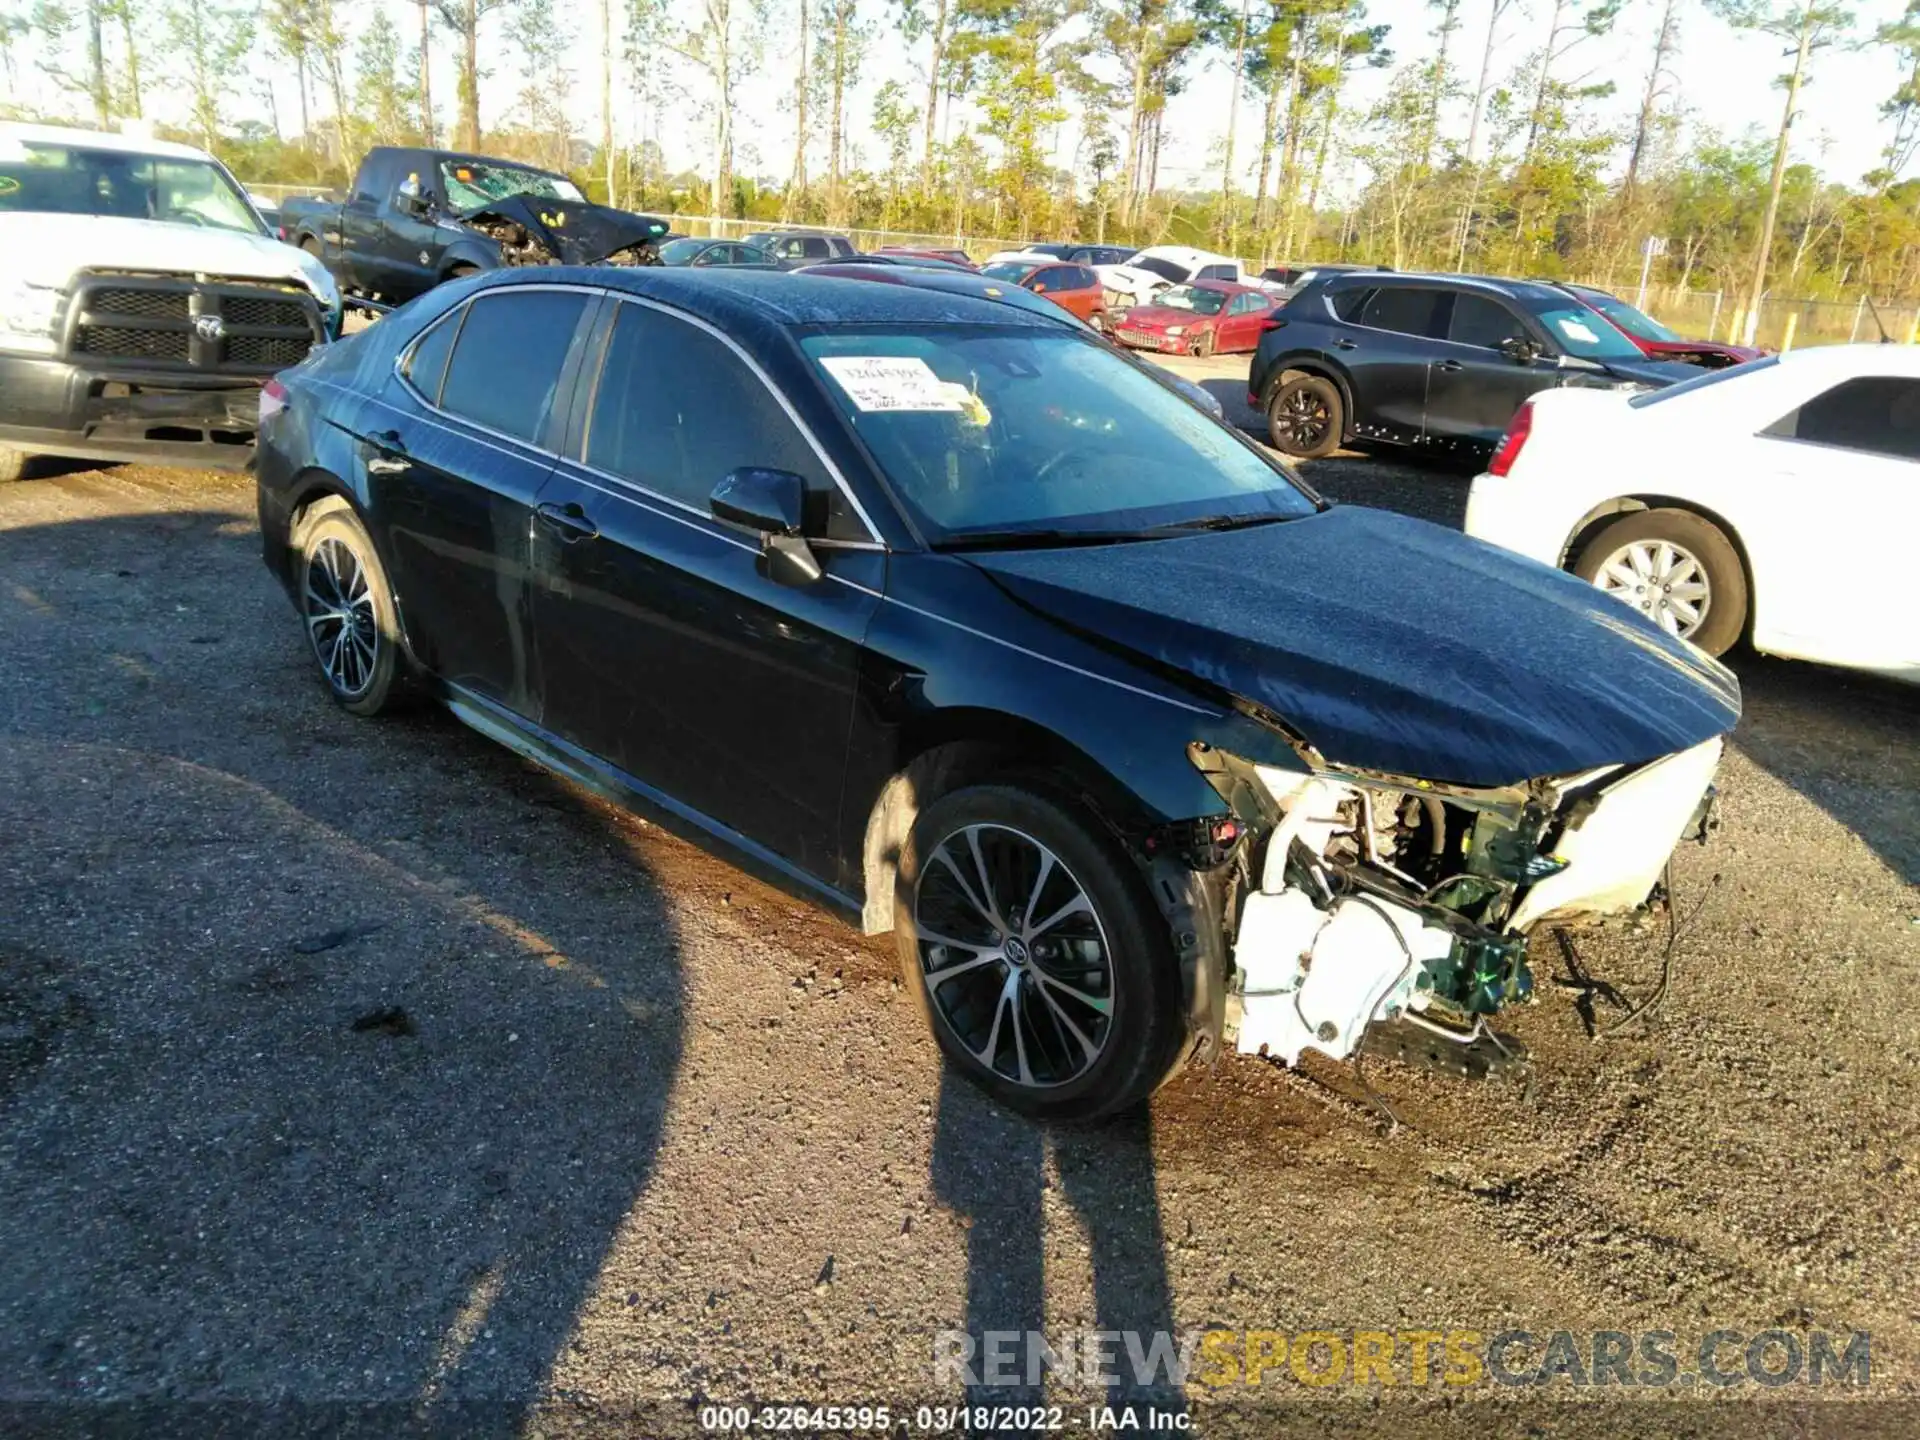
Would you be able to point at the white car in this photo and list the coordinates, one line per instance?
(143, 302)
(1778, 500)
(1161, 267)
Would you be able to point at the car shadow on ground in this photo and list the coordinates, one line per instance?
(1791, 712)
(335, 1052)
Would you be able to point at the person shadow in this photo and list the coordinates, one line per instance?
(990, 1167)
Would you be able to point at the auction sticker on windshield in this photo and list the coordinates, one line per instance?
(892, 382)
(1577, 330)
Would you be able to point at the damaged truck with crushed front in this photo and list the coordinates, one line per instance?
(415, 217)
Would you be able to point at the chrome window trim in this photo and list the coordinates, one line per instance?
(406, 355)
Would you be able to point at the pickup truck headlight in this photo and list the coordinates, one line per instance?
(28, 310)
(1174, 332)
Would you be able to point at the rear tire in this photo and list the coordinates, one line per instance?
(1306, 418)
(347, 607)
(1059, 995)
(1677, 569)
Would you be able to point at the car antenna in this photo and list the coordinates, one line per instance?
(1874, 310)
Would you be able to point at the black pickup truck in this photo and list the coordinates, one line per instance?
(416, 217)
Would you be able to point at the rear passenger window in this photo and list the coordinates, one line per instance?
(659, 425)
(506, 364)
(427, 366)
(1878, 415)
(815, 248)
(1483, 322)
(1406, 309)
(1216, 272)
(1348, 304)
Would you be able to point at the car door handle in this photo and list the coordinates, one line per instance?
(390, 453)
(1343, 343)
(568, 521)
(1451, 365)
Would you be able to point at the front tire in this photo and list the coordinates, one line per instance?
(1033, 947)
(1203, 347)
(13, 463)
(348, 609)
(1677, 569)
(1306, 417)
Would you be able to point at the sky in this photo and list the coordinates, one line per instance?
(1726, 82)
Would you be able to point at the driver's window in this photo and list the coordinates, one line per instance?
(656, 424)
(1483, 322)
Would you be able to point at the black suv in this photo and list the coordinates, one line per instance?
(1440, 361)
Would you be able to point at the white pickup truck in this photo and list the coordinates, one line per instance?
(1161, 267)
(143, 302)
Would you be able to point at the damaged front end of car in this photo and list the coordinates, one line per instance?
(1348, 899)
(531, 230)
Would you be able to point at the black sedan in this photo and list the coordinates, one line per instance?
(948, 616)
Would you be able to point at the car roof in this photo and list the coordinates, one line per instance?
(738, 297)
(97, 140)
(1841, 362)
(1186, 255)
(1225, 287)
(1532, 292)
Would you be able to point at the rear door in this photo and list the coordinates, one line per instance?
(453, 465)
(666, 651)
(1387, 348)
(1472, 388)
(1239, 328)
(362, 253)
(1831, 546)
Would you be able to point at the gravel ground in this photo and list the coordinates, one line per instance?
(360, 1063)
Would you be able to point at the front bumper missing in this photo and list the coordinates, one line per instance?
(1332, 938)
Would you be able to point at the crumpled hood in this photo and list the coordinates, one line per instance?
(1659, 373)
(577, 234)
(1391, 644)
(52, 249)
(1130, 279)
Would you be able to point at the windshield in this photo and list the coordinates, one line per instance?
(986, 431)
(469, 184)
(1012, 271)
(64, 180)
(1635, 322)
(1165, 269)
(681, 251)
(1581, 332)
(1188, 297)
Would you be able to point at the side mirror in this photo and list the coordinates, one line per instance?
(1038, 289)
(407, 197)
(1519, 349)
(772, 502)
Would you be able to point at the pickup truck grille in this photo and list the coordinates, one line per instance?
(203, 327)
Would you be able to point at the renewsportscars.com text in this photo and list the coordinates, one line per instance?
(1459, 1358)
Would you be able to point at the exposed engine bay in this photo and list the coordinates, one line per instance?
(531, 230)
(1353, 898)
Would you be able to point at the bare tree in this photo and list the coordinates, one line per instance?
(720, 45)
(463, 17)
(1806, 27)
(1665, 44)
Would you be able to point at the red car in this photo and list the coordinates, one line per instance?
(1655, 339)
(1074, 288)
(1208, 317)
(911, 252)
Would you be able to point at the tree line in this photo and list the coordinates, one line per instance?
(1488, 146)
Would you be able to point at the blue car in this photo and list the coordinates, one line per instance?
(946, 615)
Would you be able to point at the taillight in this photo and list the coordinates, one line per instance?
(1508, 450)
(1274, 321)
(273, 399)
